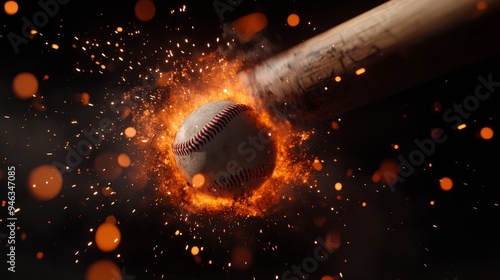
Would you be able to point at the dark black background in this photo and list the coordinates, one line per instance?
(392, 238)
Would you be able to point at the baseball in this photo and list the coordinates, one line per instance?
(225, 145)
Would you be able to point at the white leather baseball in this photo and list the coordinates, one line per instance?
(224, 142)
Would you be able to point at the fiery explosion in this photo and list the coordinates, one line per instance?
(177, 94)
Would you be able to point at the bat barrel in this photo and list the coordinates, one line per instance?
(381, 52)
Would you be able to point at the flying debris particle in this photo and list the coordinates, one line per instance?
(107, 191)
(360, 71)
(462, 126)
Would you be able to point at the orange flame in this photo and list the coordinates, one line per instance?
(209, 79)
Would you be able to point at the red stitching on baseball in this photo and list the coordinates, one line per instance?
(211, 129)
(243, 176)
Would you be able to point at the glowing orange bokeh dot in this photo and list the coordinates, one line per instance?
(198, 180)
(124, 160)
(11, 7)
(145, 10)
(349, 172)
(481, 5)
(486, 133)
(107, 237)
(319, 221)
(327, 277)
(25, 85)
(248, 26)
(242, 257)
(317, 165)
(436, 106)
(293, 20)
(106, 191)
(138, 179)
(103, 270)
(338, 186)
(44, 182)
(84, 98)
(106, 166)
(376, 176)
(389, 170)
(335, 125)
(446, 183)
(130, 132)
(111, 219)
(195, 250)
(333, 240)
(39, 255)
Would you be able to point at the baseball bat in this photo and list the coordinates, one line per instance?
(384, 51)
